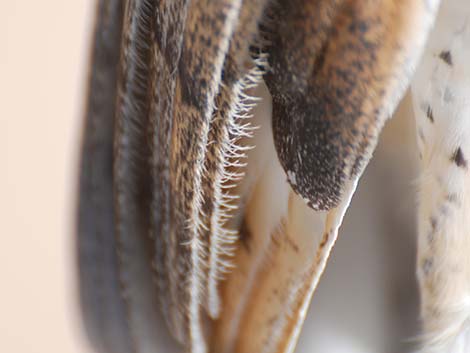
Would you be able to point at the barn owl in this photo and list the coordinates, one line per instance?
(207, 215)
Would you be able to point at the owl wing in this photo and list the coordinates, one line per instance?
(337, 69)
(177, 188)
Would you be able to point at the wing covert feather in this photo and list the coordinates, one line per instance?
(339, 68)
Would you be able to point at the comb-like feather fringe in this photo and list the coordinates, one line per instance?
(225, 155)
(231, 152)
(194, 224)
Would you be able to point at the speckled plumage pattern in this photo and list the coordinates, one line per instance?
(441, 90)
(165, 49)
(338, 70)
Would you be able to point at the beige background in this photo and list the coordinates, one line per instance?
(365, 303)
(42, 54)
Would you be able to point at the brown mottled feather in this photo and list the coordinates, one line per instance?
(339, 68)
(166, 44)
(207, 32)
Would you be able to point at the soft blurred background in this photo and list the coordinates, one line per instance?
(43, 51)
(366, 302)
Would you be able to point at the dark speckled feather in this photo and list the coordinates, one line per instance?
(208, 29)
(339, 68)
(166, 45)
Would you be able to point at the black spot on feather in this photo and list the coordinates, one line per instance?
(459, 158)
(446, 57)
(429, 114)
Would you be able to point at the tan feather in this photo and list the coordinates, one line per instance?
(236, 216)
